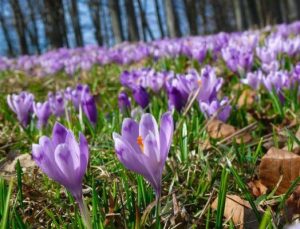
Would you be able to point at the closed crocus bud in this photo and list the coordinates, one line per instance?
(42, 112)
(89, 106)
(65, 161)
(57, 104)
(22, 105)
(123, 102)
(141, 96)
(143, 148)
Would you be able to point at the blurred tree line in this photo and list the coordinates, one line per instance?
(33, 26)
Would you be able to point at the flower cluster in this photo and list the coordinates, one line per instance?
(237, 50)
(24, 106)
(179, 89)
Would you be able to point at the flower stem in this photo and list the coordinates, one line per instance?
(157, 212)
(85, 214)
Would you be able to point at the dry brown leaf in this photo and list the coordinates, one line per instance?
(10, 165)
(247, 98)
(218, 129)
(239, 211)
(277, 163)
(257, 188)
(292, 207)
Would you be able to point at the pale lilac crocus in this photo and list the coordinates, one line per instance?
(143, 148)
(220, 109)
(64, 160)
(123, 102)
(21, 104)
(57, 104)
(42, 112)
(89, 107)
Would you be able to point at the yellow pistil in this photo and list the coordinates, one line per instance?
(139, 141)
(199, 83)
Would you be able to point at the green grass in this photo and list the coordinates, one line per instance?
(119, 198)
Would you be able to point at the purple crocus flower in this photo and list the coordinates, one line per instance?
(89, 106)
(253, 79)
(143, 148)
(123, 102)
(209, 84)
(22, 105)
(222, 109)
(64, 160)
(42, 112)
(57, 104)
(141, 96)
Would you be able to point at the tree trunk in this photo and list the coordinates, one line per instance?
(238, 14)
(34, 34)
(73, 8)
(220, 9)
(145, 25)
(202, 10)
(55, 28)
(131, 21)
(172, 27)
(159, 20)
(115, 19)
(20, 25)
(190, 6)
(6, 35)
(94, 8)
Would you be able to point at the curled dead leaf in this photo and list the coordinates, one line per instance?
(257, 188)
(279, 165)
(292, 206)
(217, 129)
(247, 98)
(9, 166)
(239, 211)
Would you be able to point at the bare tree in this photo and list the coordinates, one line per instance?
(94, 8)
(6, 32)
(173, 27)
(20, 25)
(73, 10)
(54, 20)
(191, 11)
(145, 25)
(34, 36)
(131, 21)
(159, 19)
(115, 14)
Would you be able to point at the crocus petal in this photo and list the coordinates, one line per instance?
(63, 159)
(59, 134)
(130, 131)
(148, 124)
(74, 148)
(128, 156)
(166, 134)
(84, 154)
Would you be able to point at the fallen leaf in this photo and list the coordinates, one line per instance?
(247, 98)
(239, 211)
(292, 205)
(279, 163)
(217, 129)
(9, 166)
(257, 188)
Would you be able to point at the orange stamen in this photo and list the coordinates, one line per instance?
(199, 83)
(139, 141)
